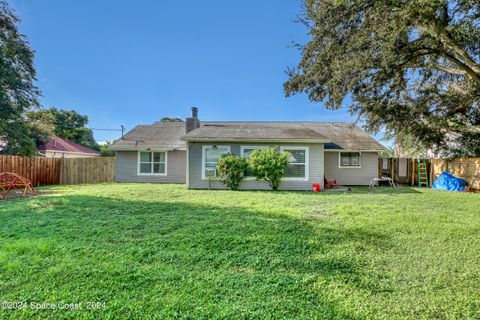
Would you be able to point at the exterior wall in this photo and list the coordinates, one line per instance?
(352, 176)
(127, 164)
(195, 168)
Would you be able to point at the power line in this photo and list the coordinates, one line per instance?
(122, 129)
(101, 129)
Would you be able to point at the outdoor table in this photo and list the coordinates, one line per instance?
(375, 181)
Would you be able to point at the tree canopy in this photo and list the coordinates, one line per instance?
(66, 124)
(18, 93)
(411, 67)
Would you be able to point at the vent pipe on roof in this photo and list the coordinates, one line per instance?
(192, 123)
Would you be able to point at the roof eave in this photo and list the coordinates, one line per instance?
(195, 139)
(66, 151)
(356, 150)
(145, 147)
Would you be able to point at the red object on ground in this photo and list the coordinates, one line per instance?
(329, 182)
(10, 181)
(316, 187)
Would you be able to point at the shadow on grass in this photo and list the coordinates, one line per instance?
(177, 256)
(372, 190)
(343, 190)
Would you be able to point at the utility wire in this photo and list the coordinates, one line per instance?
(101, 129)
(122, 129)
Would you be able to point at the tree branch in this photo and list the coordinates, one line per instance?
(473, 75)
(464, 128)
(453, 71)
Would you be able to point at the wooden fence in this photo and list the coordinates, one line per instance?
(402, 170)
(465, 168)
(39, 170)
(46, 171)
(87, 170)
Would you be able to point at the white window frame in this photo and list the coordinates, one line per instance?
(204, 148)
(307, 162)
(242, 154)
(151, 173)
(350, 167)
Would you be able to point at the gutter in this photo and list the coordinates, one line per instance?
(240, 140)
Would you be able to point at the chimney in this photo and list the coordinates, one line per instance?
(193, 122)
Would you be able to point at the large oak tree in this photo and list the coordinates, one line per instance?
(410, 67)
(18, 93)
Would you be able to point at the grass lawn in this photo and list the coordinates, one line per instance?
(162, 251)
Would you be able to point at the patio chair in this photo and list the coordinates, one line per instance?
(329, 182)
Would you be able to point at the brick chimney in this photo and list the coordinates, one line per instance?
(192, 123)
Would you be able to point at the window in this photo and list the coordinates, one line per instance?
(402, 168)
(349, 159)
(154, 163)
(297, 168)
(246, 151)
(210, 157)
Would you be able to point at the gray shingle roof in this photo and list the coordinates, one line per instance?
(335, 135)
(339, 135)
(252, 131)
(158, 135)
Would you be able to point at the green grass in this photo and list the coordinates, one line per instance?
(161, 251)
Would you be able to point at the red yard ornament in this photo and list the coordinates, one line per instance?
(11, 181)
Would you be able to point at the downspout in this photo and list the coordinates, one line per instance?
(188, 165)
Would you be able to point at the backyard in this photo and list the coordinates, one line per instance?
(149, 250)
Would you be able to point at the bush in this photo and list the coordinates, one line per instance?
(269, 165)
(232, 170)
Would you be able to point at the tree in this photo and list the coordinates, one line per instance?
(167, 119)
(232, 170)
(41, 125)
(269, 165)
(67, 124)
(410, 67)
(104, 151)
(18, 93)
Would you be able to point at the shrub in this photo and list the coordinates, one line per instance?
(269, 165)
(232, 170)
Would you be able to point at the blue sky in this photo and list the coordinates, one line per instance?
(134, 62)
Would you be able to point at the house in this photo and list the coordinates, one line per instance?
(57, 147)
(187, 152)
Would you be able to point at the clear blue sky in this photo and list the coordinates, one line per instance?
(134, 62)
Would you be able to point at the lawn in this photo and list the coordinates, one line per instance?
(162, 251)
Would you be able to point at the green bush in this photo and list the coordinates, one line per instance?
(232, 170)
(269, 165)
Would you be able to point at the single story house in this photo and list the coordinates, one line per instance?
(56, 147)
(187, 152)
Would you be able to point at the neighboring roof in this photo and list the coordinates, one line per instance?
(171, 135)
(162, 135)
(57, 144)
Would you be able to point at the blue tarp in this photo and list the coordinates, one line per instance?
(449, 182)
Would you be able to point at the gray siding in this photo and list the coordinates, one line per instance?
(127, 162)
(195, 168)
(352, 176)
